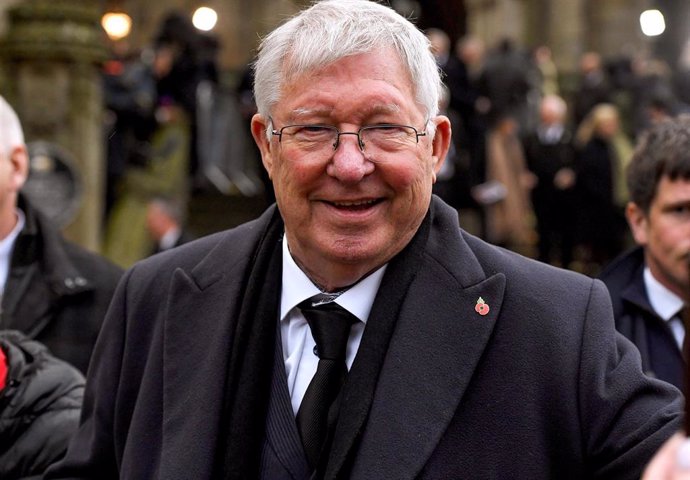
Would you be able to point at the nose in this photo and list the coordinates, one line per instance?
(349, 164)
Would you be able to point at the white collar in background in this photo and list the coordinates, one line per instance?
(664, 302)
(169, 238)
(6, 246)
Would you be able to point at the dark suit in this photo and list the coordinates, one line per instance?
(540, 387)
(637, 320)
(554, 207)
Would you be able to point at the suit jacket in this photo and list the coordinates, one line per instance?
(540, 386)
(637, 320)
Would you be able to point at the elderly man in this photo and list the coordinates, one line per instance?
(355, 331)
(52, 290)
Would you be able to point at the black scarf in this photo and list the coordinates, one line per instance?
(248, 381)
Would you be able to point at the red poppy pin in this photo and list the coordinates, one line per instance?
(482, 308)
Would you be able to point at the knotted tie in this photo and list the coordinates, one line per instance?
(330, 326)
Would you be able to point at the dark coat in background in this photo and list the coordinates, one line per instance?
(637, 320)
(539, 386)
(57, 292)
(601, 224)
(39, 407)
(554, 207)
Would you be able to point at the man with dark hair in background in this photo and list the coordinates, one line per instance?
(649, 285)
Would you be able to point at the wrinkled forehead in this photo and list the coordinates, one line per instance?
(378, 75)
(295, 66)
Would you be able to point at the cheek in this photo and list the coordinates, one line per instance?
(413, 175)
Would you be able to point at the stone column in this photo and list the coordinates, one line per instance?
(51, 57)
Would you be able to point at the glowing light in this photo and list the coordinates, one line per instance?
(116, 25)
(205, 18)
(652, 23)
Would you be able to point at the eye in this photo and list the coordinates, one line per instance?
(391, 131)
(681, 209)
(389, 137)
(310, 132)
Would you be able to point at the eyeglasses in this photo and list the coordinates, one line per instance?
(386, 137)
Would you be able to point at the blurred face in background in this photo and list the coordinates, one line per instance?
(607, 126)
(13, 173)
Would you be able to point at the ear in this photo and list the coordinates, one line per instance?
(19, 160)
(259, 127)
(639, 223)
(440, 143)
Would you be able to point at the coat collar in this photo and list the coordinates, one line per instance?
(203, 306)
(439, 339)
(40, 244)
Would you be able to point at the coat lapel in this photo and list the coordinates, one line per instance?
(201, 313)
(435, 349)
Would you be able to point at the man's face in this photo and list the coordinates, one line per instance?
(665, 234)
(13, 172)
(347, 212)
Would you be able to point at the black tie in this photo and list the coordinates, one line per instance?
(330, 326)
(684, 315)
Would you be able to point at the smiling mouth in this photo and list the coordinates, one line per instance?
(355, 205)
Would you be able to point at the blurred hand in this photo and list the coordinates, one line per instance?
(564, 178)
(671, 462)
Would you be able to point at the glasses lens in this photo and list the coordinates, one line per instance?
(388, 138)
(310, 137)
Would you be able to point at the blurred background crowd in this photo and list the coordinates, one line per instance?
(537, 159)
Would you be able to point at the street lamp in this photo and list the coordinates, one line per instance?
(205, 18)
(652, 23)
(117, 25)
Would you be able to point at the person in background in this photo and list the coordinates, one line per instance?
(548, 71)
(437, 355)
(550, 156)
(40, 401)
(593, 87)
(53, 290)
(165, 174)
(165, 224)
(603, 152)
(509, 221)
(650, 284)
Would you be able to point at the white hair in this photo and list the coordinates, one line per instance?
(333, 29)
(11, 134)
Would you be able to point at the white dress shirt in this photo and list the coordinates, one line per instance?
(666, 304)
(6, 246)
(297, 341)
(168, 239)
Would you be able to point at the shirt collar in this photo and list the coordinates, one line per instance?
(664, 302)
(297, 287)
(6, 245)
(169, 238)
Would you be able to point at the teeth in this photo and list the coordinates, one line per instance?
(354, 204)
